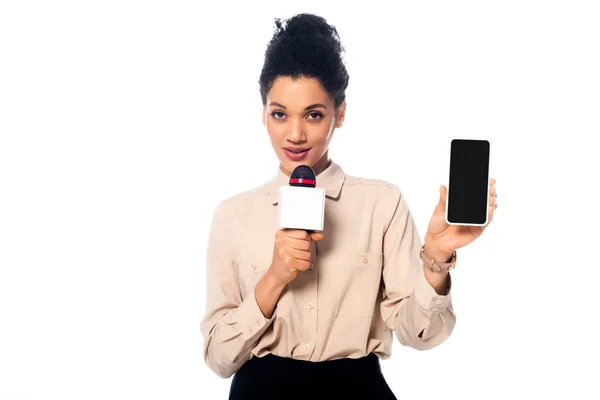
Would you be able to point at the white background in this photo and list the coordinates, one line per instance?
(124, 123)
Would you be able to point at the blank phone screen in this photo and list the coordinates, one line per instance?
(469, 182)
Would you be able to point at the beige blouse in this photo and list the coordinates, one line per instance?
(367, 279)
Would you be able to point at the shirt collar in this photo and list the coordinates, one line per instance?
(331, 179)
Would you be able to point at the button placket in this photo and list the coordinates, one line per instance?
(310, 297)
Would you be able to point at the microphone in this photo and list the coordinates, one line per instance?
(302, 204)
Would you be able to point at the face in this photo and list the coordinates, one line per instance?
(300, 118)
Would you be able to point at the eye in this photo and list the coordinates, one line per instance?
(277, 114)
(316, 115)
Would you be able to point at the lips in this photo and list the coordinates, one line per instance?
(296, 153)
(296, 150)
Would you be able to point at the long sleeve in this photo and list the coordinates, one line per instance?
(420, 317)
(232, 326)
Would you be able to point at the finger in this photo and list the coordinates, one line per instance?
(441, 205)
(492, 200)
(490, 214)
(316, 236)
(492, 181)
(296, 233)
(298, 244)
(299, 254)
(301, 265)
(492, 208)
(492, 191)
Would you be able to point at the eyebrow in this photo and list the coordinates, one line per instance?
(317, 105)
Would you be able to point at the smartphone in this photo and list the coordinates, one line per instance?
(469, 183)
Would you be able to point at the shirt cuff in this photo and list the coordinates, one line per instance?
(428, 298)
(251, 318)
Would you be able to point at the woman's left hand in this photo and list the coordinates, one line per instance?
(442, 238)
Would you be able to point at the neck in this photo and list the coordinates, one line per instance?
(322, 164)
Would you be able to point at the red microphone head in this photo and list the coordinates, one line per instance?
(303, 175)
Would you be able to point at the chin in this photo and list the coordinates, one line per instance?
(291, 165)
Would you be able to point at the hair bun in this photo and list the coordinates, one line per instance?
(305, 45)
(306, 24)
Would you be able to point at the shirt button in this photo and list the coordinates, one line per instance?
(307, 346)
(253, 266)
(438, 302)
(310, 305)
(434, 309)
(366, 259)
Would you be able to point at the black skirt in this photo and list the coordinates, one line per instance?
(273, 377)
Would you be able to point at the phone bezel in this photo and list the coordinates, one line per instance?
(487, 214)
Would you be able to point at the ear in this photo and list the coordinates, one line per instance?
(341, 114)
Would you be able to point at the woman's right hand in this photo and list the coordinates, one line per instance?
(291, 253)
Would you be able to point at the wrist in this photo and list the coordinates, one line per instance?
(434, 252)
(274, 282)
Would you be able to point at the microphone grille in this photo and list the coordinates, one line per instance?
(303, 175)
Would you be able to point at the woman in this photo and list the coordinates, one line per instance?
(298, 315)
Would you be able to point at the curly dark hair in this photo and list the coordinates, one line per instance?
(307, 46)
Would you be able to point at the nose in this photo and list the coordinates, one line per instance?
(296, 133)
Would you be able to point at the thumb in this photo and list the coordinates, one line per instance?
(316, 236)
(441, 206)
